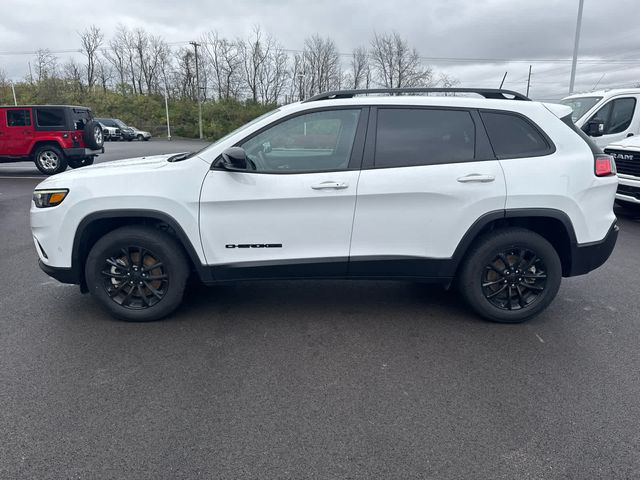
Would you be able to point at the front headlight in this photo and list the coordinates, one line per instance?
(49, 198)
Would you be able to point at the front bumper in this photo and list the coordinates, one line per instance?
(588, 257)
(628, 189)
(63, 275)
(80, 152)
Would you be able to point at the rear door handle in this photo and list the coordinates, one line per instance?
(330, 185)
(476, 177)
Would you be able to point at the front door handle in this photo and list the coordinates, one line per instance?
(476, 177)
(333, 185)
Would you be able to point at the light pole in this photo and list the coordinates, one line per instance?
(166, 107)
(574, 63)
(195, 47)
(13, 89)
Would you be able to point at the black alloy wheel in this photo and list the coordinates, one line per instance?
(137, 273)
(514, 279)
(135, 278)
(510, 275)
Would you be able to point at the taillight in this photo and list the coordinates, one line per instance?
(605, 165)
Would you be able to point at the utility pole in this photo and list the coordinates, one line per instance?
(574, 63)
(529, 81)
(195, 47)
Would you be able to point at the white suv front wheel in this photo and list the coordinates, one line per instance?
(510, 275)
(137, 273)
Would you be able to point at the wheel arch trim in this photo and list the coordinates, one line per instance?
(155, 215)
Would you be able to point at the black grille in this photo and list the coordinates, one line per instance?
(629, 191)
(624, 164)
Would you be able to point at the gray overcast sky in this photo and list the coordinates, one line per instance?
(532, 31)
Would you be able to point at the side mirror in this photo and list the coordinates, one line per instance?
(595, 128)
(234, 158)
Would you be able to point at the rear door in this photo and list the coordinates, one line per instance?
(17, 135)
(429, 174)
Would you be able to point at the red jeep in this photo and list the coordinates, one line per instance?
(52, 136)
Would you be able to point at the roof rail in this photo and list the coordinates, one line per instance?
(496, 93)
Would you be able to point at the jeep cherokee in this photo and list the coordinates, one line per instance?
(498, 194)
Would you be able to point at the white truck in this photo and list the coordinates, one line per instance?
(607, 116)
(612, 119)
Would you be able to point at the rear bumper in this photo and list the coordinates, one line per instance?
(63, 275)
(588, 257)
(80, 152)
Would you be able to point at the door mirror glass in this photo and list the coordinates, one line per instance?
(234, 158)
(595, 127)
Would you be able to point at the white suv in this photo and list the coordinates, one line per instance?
(501, 194)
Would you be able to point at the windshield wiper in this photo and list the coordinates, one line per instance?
(180, 156)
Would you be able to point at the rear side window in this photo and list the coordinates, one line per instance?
(512, 136)
(409, 137)
(50, 117)
(18, 118)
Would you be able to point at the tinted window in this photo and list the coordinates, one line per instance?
(512, 136)
(408, 137)
(616, 115)
(312, 142)
(50, 117)
(18, 118)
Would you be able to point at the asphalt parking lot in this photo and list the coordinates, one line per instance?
(326, 379)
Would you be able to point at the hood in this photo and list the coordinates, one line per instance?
(631, 143)
(131, 166)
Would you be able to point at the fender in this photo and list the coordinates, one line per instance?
(77, 252)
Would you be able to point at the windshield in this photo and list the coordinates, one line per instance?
(120, 123)
(580, 105)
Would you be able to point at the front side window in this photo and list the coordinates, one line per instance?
(18, 118)
(512, 136)
(50, 117)
(409, 137)
(319, 141)
(616, 115)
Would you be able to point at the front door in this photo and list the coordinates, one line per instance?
(18, 133)
(621, 117)
(291, 214)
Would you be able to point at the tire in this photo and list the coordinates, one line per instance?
(140, 138)
(81, 162)
(93, 135)
(525, 260)
(116, 267)
(49, 159)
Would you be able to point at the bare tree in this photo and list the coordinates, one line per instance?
(396, 64)
(447, 81)
(104, 73)
(185, 74)
(360, 72)
(46, 65)
(91, 40)
(116, 55)
(224, 59)
(320, 65)
(73, 76)
(255, 55)
(274, 75)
